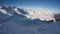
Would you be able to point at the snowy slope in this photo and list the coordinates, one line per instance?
(23, 26)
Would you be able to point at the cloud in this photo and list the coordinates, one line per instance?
(41, 13)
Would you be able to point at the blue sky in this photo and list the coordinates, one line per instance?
(33, 3)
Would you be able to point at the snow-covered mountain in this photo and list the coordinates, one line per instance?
(7, 13)
(44, 14)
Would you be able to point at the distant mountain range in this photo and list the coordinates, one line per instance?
(8, 13)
